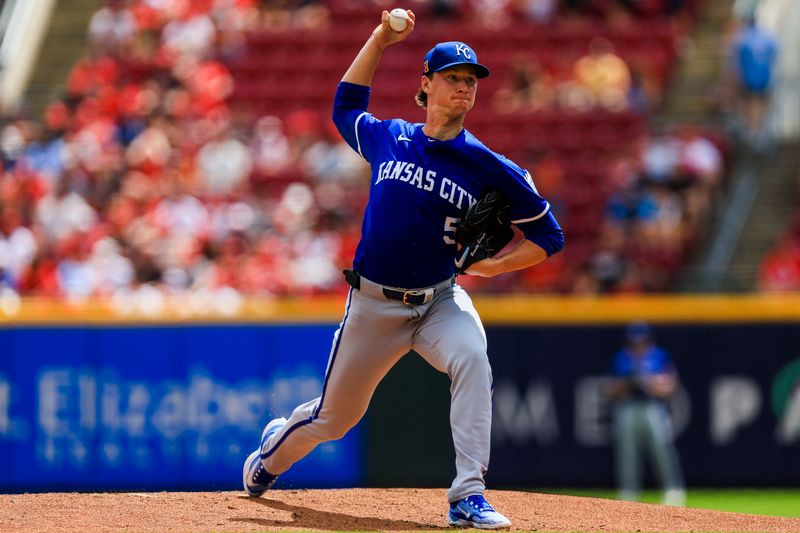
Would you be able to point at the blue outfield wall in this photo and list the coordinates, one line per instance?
(179, 407)
(736, 416)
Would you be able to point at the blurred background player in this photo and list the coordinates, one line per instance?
(644, 377)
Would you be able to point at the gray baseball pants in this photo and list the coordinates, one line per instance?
(374, 334)
(645, 426)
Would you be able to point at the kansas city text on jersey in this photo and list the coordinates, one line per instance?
(418, 177)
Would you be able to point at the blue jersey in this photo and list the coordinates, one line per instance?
(756, 51)
(420, 189)
(654, 361)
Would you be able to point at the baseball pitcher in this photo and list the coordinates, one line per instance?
(403, 296)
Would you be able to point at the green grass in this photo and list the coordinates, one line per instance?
(773, 502)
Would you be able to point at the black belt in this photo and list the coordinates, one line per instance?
(410, 297)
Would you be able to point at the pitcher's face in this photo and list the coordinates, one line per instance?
(451, 90)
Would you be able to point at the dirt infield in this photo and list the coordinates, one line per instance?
(348, 510)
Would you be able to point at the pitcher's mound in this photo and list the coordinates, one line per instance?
(349, 510)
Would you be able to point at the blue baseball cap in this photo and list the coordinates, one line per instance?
(638, 332)
(450, 54)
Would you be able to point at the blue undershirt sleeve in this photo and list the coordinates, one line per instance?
(355, 124)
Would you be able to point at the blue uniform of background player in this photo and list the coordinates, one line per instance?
(643, 378)
(404, 296)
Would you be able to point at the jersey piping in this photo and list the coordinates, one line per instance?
(537, 217)
(315, 415)
(358, 141)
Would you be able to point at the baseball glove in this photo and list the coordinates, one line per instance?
(484, 230)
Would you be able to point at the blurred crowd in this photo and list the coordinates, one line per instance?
(143, 182)
(498, 13)
(663, 193)
(780, 270)
(599, 79)
(761, 74)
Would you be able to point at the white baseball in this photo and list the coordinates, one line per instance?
(398, 19)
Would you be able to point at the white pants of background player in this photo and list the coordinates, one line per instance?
(644, 425)
(374, 334)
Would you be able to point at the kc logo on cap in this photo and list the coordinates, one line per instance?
(462, 48)
(450, 54)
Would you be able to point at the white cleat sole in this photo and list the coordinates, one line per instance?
(245, 473)
(467, 523)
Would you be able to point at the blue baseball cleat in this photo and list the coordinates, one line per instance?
(475, 511)
(255, 478)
